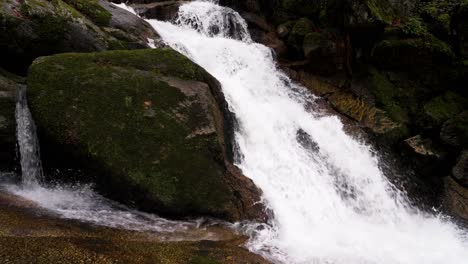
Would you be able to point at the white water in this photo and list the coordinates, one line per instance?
(332, 204)
(31, 168)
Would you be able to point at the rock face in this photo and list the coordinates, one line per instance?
(8, 86)
(460, 171)
(150, 126)
(33, 28)
(165, 10)
(456, 198)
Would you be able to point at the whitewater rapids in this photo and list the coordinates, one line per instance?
(331, 203)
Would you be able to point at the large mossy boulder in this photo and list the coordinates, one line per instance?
(8, 86)
(33, 28)
(150, 126)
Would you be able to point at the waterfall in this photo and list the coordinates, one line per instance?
(331, 203)
(31, 167)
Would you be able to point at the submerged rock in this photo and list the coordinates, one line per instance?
(150, 126)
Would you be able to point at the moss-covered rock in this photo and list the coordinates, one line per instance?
(299, 30)
(444, 107)
(33, 28)
(438, 15)
(147, 125)
(412, 54)
(92, 10)
(454, 131)
(368, 12)
(28, 234)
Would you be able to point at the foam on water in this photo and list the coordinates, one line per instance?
(331, 203)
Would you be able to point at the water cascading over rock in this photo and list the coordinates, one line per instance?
(332, 204)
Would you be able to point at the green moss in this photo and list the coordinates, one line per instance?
(116, 109)
(444, 107)
(414, 26)
(388, 97)
(438, 14)
(382, 10)
(92, 10)
(301, 28)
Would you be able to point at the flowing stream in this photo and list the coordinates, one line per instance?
(331, 203)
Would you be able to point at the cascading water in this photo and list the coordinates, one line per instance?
(332, 203)
(31, 167)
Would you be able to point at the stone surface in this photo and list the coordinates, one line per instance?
(165, 11)
(456, 198)
(460, 170)
(34, 28)
(31, 235)
(150, 126)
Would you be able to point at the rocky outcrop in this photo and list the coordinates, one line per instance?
(150, 126)
(460, 170)
(34, 28)
(165, 10)
(9, 84)
(455, 198)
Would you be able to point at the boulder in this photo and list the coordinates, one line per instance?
(444, 107)
(127, 27)
(34, 28)
(423, 147)
(454, 131)
(150, 126)
(8, 86)
(455, 198)
(460, 170)
(165, 11)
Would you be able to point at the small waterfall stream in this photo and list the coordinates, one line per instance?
(30, 159)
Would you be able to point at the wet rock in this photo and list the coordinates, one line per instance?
(455, 198)
(460, 171)
(29, 234)
(34, 28)
(165, 11)
(444, 107)
(423, 147)
(136, 32)
(454, 132)
(150, 126)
